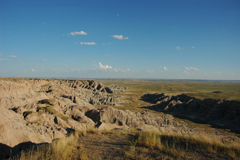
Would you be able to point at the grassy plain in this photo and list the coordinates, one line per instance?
(229, 90)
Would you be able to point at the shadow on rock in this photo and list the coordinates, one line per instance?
(222, 114)
(7, 152)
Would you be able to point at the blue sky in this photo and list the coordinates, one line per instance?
(165, 39)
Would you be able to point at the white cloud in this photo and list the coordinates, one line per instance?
(185, 72)
(5, 59)
(179, 48)
(77, 33)
(66, 65)
(149, 71)
(119, 37)
(193, 47)
(13, 56)
(33, 70)
(128, 69)
(191, 68)
(165, 68)
(88, 43)
(44, 60)
(104, 66)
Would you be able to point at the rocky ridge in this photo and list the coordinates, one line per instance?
(218, 112)
(39, 111)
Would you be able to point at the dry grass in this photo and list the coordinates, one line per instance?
(65, 148)
(178, 145)
(144, 145)
(50, 109)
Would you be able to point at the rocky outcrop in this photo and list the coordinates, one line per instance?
(221, 112)
(14, 94)
(39, 111)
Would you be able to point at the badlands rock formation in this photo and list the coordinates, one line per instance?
(39, 111)
(220, 112)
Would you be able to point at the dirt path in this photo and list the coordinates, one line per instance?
(108, 146)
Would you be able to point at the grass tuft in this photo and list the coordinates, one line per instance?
(65, 148)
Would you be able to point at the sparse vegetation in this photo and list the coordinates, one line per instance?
(65, 148)
(49, 108)
(156, 145)
(174, 144)
(47, 101)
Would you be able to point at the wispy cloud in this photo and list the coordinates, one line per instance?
(165, 68)
(179, 48)
(44, 60)
(66, 65)
(119, 37)
(0, 54)
(88, 43)
(185, 72)
(5, 59)
(33, 70)
(193, 47)
(12, 56)
(191, 68)
(106, 43)
(77, 33)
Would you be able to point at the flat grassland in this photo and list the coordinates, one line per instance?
(228, 90)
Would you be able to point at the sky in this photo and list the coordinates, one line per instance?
(155, 39)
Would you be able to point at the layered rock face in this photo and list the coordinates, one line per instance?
(221, 112)
(39, 111)
(25, 92)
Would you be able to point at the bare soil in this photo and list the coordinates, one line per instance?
(121, 146)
